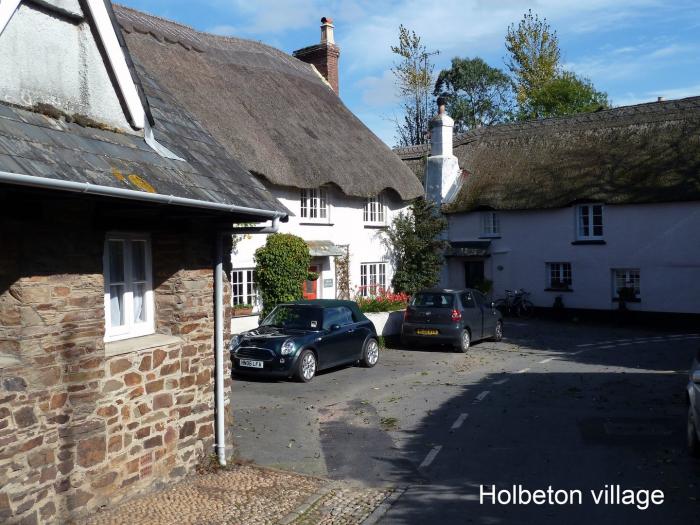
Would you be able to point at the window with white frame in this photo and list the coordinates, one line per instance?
(626, 283)
(490, 224)
(244, 289)
(314, 204)
(129, 309)
(372, 279)
(589, 222)
(374, 212)
(559, 275)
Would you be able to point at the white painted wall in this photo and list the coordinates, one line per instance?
(345, 227)
(53, 60)
(662, 240)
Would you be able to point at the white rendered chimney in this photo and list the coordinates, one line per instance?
(327, 31)
(442, 175)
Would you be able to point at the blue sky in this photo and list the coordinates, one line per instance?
(635, 50)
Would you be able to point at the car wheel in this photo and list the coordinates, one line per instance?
(693, 443)
(306, 367)
(498, 333)
(370, 353)
(464, 341)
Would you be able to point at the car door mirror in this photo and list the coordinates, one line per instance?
(696, 376)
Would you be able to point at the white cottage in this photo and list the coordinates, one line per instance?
(281, 117)
(577, 207)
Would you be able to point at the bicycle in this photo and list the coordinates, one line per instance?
(516, 302)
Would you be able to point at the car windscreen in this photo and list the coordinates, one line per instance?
(432, 300)
(292, 316)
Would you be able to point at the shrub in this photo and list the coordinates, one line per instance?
(281, 267)
(415, 244)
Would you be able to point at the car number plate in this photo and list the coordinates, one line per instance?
(427, 332)
(251, 364)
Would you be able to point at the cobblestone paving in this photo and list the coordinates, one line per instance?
(246, 495)
(345, 506)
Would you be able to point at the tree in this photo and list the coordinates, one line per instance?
(413, 239)
(414, 76)
(566, 94)
(477, 94)
(534, 57)
(281, 267)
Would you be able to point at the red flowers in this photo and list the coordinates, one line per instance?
(374, 298)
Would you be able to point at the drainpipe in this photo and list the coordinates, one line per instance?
(219, 348)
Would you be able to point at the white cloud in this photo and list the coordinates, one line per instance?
(378, 90)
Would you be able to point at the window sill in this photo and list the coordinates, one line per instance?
(135, 344)
(591, 241)
(376, 226)
(635, 300)
(311, 223)
(558, 290)
(489, 236)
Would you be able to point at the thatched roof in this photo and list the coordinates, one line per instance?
(635, 154)
(272, 112)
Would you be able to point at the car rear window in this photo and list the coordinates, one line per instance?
(433, 300)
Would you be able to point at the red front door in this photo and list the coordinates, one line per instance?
(310, 287)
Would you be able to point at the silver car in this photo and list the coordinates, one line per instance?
(694, 408)
(452, 317)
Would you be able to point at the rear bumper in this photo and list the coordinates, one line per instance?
(447, 334)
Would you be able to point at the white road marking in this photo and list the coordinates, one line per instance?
(459, 421)
(546, 360)
(523, 371)
(587, 344)
(500, 382)
(608, 346)
(431, 456)
(481, 396)
(577, 352)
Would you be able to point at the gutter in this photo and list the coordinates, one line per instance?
(219, 348)
(135, 195)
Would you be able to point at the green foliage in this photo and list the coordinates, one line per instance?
(542, 88)
(534, 55)
(281, 266)
(484, 286)
(414, 242)
(414, 78)
(566, 94)
(477, 94)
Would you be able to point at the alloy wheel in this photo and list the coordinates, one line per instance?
(308, 366)
(372, 352)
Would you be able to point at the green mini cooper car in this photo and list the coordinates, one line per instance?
(300, 338)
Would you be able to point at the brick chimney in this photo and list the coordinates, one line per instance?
(323, 56)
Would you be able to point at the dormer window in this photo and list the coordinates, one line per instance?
(490, 224)
(375, 211)
(589, 222)
(314, 205)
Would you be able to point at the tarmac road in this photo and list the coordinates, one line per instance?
(567, 406)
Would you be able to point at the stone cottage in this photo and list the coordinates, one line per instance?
(114, 203)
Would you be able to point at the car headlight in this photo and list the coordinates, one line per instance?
(288, 347)
(235, 341)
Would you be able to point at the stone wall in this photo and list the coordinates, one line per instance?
(84, 423)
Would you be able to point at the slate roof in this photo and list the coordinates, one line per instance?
(634, 154)
(38, 145)
(271, 111)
